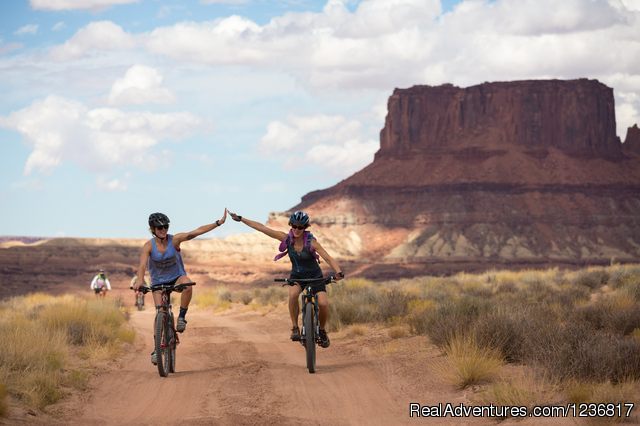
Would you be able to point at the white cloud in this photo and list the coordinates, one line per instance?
(399, 43)
(96, 36)
(27, 29)
(334, 143)
(58, 129)
(114, 184)
(59, 26)
(140, 85)
(91, 5)
(10, 47)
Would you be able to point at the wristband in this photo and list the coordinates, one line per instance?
(217, 223)
(339, 275)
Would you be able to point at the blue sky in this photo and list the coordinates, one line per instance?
(113, 109)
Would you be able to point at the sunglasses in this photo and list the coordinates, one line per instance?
(298, 227)
(162, 227)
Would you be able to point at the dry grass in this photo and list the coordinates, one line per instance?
(525, 389)
(466, 362)
(601, 394)
(40, 334)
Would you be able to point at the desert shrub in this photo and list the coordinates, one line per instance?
(393, 303)
(243, 297)
(508, 287)
(357, 301)
(271, 295)
(503, 330)
(451, 318)
(575, 351)
(617, 313)
(620, 275)
(570, 295)
(592, 278)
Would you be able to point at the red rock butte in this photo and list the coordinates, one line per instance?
(523, 173)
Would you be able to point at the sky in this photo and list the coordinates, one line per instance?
(113, 109)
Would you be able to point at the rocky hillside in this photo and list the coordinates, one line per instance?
(515, 173)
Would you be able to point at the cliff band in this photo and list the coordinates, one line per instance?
(494, 174)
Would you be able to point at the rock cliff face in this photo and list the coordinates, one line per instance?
(527, 173)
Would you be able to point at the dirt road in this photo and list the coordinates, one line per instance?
(242, 369)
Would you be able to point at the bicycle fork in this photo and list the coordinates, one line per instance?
(306, 298)
(166, 306)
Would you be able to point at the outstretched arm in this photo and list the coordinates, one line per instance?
(186, 236)
(278, 235)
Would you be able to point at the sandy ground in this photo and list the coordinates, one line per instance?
(241, 368)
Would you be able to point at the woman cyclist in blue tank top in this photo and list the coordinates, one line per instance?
(303, 252)
(161, 255)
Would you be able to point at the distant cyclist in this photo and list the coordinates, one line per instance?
(134, 280)
(161, 255)
(100, 283)
(303, 250)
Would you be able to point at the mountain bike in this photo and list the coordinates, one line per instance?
(165, 338)
(310, 335)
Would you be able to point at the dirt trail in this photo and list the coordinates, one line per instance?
(242, 369)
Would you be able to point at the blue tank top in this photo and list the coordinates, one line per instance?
(165, 267)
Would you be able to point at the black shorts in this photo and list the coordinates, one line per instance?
(314, 289)
(172, 282)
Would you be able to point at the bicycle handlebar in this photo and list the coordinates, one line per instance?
(145, 289)
(305, 281)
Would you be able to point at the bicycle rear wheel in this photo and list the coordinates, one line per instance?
(162, 343)
(310, 337)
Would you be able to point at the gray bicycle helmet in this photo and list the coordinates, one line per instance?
(158, 219)
(299, 218)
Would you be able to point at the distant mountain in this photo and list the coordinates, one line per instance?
(25, 240)
(507, 173)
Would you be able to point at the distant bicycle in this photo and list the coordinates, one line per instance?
(101, 292)
(139, 299)
(310, 335)
(165, 338)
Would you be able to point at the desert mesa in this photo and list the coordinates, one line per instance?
(509, 175)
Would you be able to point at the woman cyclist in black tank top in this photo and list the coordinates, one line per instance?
(303, 252)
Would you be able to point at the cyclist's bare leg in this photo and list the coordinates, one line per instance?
(294, 306)
(187, 293)
(323, 309)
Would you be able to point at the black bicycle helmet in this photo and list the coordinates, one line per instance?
(299, 218)
(158, 219)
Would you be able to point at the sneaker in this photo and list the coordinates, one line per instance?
(182, 324)
(295, 334)
(154, 359)
(324, 339)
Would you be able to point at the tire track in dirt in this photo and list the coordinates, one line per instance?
(235, 369)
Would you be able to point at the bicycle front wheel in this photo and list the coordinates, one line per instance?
(140, 302)
(172, 346)
(310, 338)
(162, 343)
